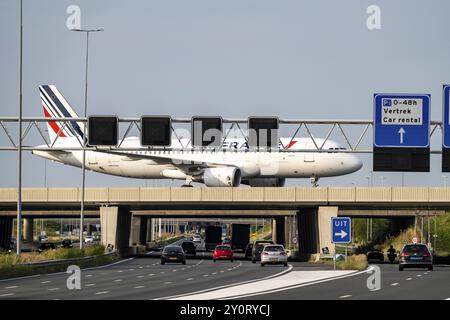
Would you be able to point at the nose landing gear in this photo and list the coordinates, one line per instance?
(314, 182)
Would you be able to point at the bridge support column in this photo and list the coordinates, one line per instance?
(145, 230)
(116, 225)
(28, 229)
(278, 230)
(314, 230)
(5, 231)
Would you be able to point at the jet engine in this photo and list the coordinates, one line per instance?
(221, 177)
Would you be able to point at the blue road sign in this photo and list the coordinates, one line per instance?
(446, 116)
(341, 230)
(402, 120)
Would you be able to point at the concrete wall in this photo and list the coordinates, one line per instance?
(5, 231)
(290, 194)
(116, 226)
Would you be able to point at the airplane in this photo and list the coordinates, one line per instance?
(213, 169)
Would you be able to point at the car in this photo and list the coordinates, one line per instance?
(415, 256)
(196, 238)
(226, 240)
(46, 246)
(258, 247)
(88, 239)
(173, 253)
(274, 254)
(66, 243)
(43, 238)
(248, 250)
(223, 252)
(375, 255)
(189, 247)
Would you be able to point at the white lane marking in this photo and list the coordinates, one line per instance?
(394, 284)
(408, 279)
(139, 277)
(151, 274)
(419, 275)
(141, 267)
(6, 294)
(174, 270)
(222, 271)
(88, 275)
(118, 280)
(233, 284)
(138, 287)
(90, 285)
(131, 269)
(44, 282)
(53, 289)
(345, 296)
(119, 271)
(162, 272)
(183, 269)
(168, 282)
(11, 287)
(447, 299)
(190, 279)
(230, 269)
(206, 275)
(213, 273)
(102, 292)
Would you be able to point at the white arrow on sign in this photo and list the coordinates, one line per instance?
(342, 234)
(401, 132)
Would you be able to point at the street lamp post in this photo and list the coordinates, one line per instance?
(19, 153)
(83, 165)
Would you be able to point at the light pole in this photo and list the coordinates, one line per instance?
(83, 165)
(19, 150)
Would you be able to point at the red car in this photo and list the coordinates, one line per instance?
(223, 252)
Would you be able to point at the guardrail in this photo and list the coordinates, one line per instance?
(57, 262)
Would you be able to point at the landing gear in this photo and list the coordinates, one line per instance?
(315, 182)
(188, 183)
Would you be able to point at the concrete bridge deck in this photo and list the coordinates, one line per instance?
(286, 198)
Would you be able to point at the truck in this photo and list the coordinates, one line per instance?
(240, 236)
(213, 237)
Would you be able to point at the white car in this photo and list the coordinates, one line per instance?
(274, 254)
(88, 239)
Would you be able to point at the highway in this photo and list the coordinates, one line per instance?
(201, 278)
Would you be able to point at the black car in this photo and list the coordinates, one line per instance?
(248, 250)
(189, 248)
(173, 254)
(46, 246)
(258, 247)
(415, 256)
(66, 243)
(375, 255)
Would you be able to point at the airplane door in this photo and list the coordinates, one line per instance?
(309, 156)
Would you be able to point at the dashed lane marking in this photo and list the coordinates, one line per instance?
(53, 289)
(6, 294)
(11, 287)
(189, 279)
(138, 287)
(45, 282)
(90, 285)
(102, 292)
(118, 280)
(394, 284)
(345, 296)
(408, 279)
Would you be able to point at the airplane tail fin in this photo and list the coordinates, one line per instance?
(56, 106)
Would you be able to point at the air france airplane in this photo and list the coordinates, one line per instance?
(214, 169)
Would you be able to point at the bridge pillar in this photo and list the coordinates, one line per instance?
(314, 230)
(5, 231)
(28, 229)
(278, 230)
(144, 230)
(116, 225)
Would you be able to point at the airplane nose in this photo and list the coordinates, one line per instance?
(355, 163)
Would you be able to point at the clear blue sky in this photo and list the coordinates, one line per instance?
(294, 59)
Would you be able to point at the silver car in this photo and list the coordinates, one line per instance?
(274, 254)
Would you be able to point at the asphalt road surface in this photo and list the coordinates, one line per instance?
(201, 278)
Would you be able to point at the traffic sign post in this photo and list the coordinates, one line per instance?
(341, 232)
(445, 128)
(401, 132)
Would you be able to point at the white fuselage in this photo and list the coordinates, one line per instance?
(140, 164)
